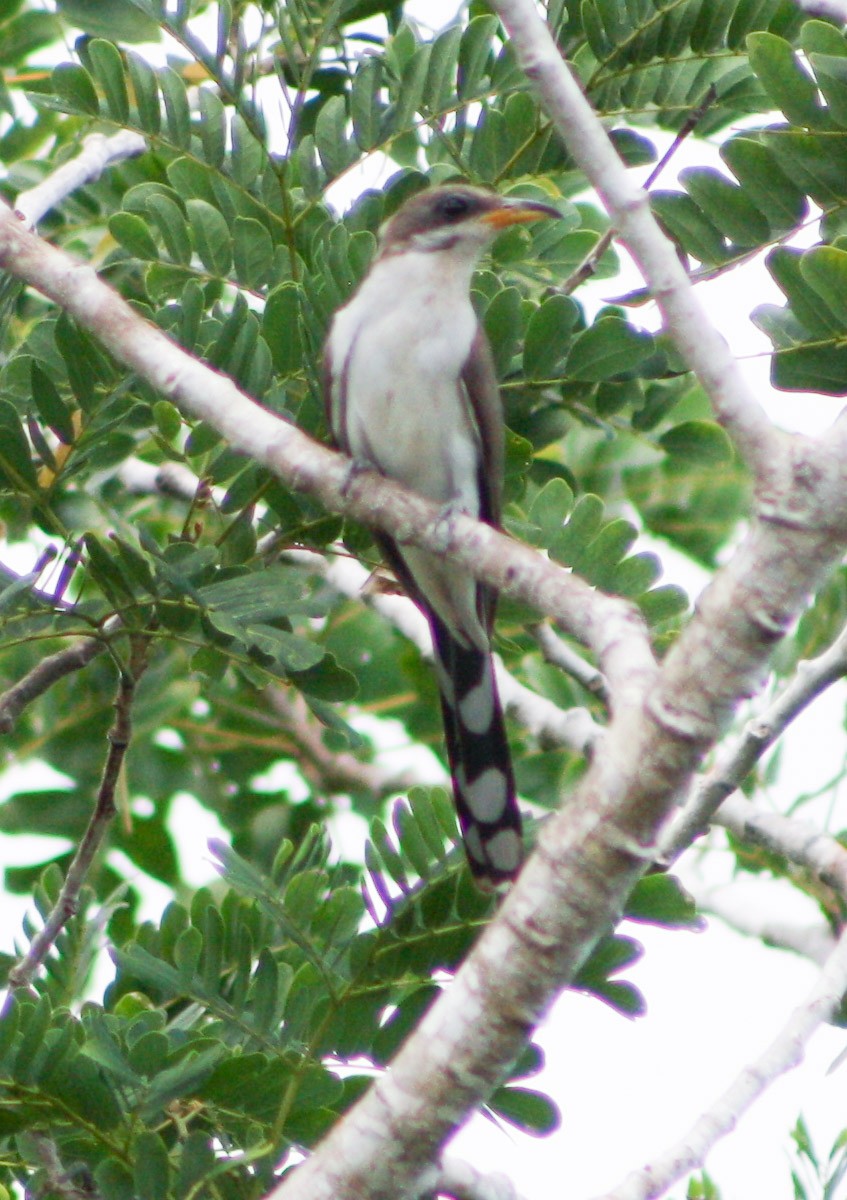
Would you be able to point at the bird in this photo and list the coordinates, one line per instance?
(411, 392)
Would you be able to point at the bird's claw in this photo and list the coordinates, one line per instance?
(355, 468)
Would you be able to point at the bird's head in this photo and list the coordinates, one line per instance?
(457, 218)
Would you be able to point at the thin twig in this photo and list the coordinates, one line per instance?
(334, 771)
(22, 973)
(589, 264)
(785, 1052)
(815, 941)
(810, 679)
(49, 671)
(97, 153)
(559, 654)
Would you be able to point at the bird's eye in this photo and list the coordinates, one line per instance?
(453, 207)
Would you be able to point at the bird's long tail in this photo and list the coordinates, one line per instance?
(478, 752)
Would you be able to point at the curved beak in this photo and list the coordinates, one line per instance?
(517, 212)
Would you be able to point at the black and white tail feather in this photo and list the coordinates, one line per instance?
(478, 752)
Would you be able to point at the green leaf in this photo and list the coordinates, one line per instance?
(776, 196)
(133, 235)
(365, 109)
(607, 348)
(252, 252)
(550, 509)
(75, 85)
(727, 206)
(212, 127)
(152, 1167)
(171, 223)
(831, 72)
(177, 109)
(16, 465)
(548, 336)
(108, 69)
(211, 237)
(281, 328)
(661, 900)
(145, 89)
(123, 20)
(248, 153)
(25, 33)
(688, 225)
(824, 268)
(503, 325)
(526, 1109)
(50, 405)
(334, 150)
(698, 441)
(784, 79)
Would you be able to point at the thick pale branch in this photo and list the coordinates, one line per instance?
(589, 856)
(629, 208)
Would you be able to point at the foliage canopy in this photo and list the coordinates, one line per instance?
(235, 1031)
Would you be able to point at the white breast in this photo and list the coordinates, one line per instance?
(400, 346)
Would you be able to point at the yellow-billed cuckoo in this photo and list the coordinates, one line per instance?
(411, 391)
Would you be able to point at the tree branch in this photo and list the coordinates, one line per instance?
(559, 654)
(800, 842)
(97, 153)
(811, 678)
(628, 206)
(460, 1181)
(22, 973)
(784, 1053)
(49, 671)
(814, 941)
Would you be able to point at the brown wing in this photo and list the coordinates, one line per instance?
(480, 380)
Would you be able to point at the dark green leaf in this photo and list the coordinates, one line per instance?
(108, 69)
(211, 236)
(531, 1111)
(698, 441)
(133, 235)
(607, 348)
(124, 20)
(75, 85)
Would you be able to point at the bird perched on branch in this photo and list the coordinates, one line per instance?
(411, 392)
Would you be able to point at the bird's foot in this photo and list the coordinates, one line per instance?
(355, 468)
(445, 522)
